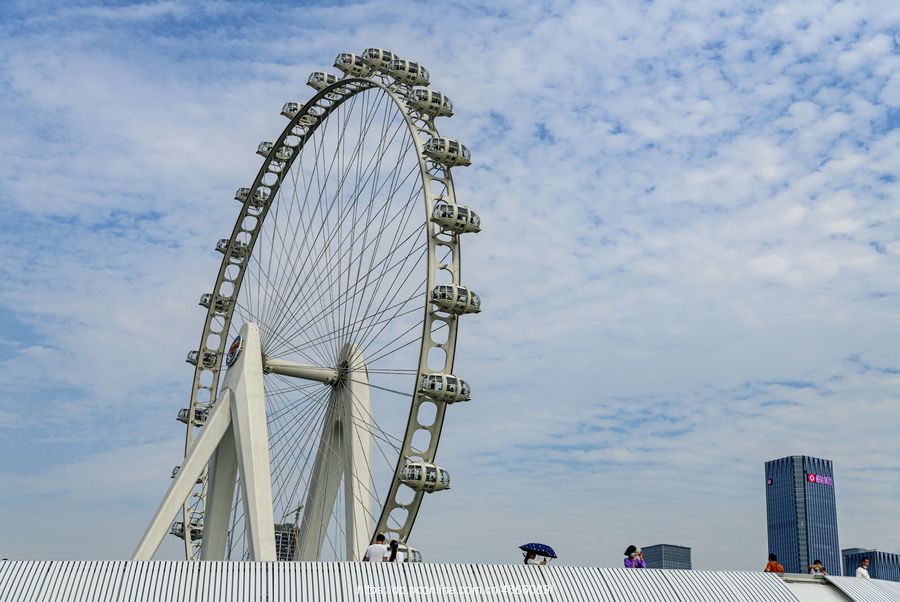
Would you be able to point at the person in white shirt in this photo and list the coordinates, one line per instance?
(863, 570)
(393, 553)
(376, 552)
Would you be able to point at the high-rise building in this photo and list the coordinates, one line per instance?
(667, 556)
(801, 513)
(882, 565)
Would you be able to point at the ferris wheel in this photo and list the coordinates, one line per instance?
(325, 365)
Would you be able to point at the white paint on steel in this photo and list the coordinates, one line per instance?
(329, 376)
(344, 452)
(202, 449)
(867, 590)
(421, 127)
(235, 434)
(251, 437)
(175, 581)
(220, 495)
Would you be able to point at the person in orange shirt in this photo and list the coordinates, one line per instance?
(773, 566)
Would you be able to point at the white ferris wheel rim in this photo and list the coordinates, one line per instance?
(419, 128)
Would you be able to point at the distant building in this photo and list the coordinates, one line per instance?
(801, 513)
(882, 565)
(285, 541)
(667, 556)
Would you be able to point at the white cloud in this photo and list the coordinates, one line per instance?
(710, 215)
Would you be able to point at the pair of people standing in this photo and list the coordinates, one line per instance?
(378, 552)
(773, 566)
(634, 558)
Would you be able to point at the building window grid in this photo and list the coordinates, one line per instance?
(883, 565)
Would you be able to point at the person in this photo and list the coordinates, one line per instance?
(817, 568)
(863, 571)
(634, 558)
(377, 551)
(773, 566)
(394, 554)
(531, 558)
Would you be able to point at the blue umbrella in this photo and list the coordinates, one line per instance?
(539, 549)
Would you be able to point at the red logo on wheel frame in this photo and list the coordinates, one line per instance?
(234, 350)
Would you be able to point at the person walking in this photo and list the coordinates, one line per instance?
(773, 566)
(817, 568)
(376, 552)
(531, 558)
(863, 570)
(634, 558)
(394, 554)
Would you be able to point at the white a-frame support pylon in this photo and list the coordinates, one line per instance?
(234, 437)
(344, 453)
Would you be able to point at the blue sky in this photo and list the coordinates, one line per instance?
(689, 264)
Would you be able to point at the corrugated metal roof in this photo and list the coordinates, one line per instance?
(867, 590)
(168, 581)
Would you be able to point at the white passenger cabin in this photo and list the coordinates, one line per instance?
(319, 80)
(445, 387)
(408, 72)
(455, 299)
(290, 109)
(378, 58)
(447, 152)
(455, 218)
(430, 102)
(352, 65)
(424, 476)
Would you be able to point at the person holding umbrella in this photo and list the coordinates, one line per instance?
(533, 550)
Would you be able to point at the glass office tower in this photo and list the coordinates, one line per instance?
(801, 513)
(667, 556)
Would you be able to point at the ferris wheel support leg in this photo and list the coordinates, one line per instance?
(251, 437)
(358, 486)
(345, 450)
(217, 424)
(219, 496)
(323, 484)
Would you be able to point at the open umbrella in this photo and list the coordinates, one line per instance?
(540, 549)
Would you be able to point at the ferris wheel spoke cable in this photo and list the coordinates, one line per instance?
(322, 181)
(309, 293)
(378, 281)
(396, 172)
(304, 480)
(300, 271)
(298, 329)
(325, 249)
(295, 201)
(388, 344)
(306, 223)
(394, 391)
(313, 260)
(288, 347)
(366, 334)
(310, 415)
(364, 424)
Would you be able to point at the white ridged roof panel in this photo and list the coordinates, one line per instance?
(178, 581)
(867, 590)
